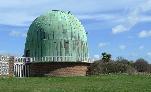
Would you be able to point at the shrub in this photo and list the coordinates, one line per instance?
(149, 68)
(109, 67)
(95, 68)
(131, 70)
(141, 65)
(124, 61)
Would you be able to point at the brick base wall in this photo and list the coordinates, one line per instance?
(11, 66)
(58, 69)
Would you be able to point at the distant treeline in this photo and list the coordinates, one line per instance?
(121, 65)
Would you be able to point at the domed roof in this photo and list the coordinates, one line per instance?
(58, 21)
(57, 34)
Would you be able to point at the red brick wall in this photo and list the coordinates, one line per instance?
(58, 69)
(11, 66)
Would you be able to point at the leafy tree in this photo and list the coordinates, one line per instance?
(141, 65)
(106, 57)
(97, 68)
(123, 61)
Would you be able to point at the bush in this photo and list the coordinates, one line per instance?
(121, 65)
(109, 67)
(95, 68)
(131, 70)
(149, 68)
(124, 61)
(141, 65)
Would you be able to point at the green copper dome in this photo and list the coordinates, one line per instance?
(57, 35)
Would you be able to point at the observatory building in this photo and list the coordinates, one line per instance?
(57, 36)
(56, 45)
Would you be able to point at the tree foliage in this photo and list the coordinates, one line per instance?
(120, 65)
(141, 65)
(106, 57)
(109, 67)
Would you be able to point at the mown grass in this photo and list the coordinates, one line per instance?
(102, 83)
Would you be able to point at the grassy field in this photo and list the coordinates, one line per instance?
(102, 83)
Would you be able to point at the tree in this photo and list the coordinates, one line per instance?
(123, 61)
(141, 65)
(106, 57)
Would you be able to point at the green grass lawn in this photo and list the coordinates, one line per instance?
(102, 83)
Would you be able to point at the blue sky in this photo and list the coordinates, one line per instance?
(119, 27)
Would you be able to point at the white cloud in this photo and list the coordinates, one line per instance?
(133, 18)
(19, 12)
(96, 56)
(144, 34)
(133, 54)
(17, 34)
(149, 54)
(24, 34)
(119, 29)
(83, 6)
(141, 47)
(16, 18)
(122, 47)
(99, 16)
(103, 44)
(145, 18)
(14, 33)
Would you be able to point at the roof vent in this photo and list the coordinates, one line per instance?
(69, 12)
(55, 10)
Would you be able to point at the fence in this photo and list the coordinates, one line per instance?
(4, 65)
(19, 63)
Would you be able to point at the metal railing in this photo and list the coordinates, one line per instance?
(47, 59)
(51, 59)
(4, 58)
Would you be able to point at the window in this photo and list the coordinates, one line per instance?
(44, 35)
(66, 46)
